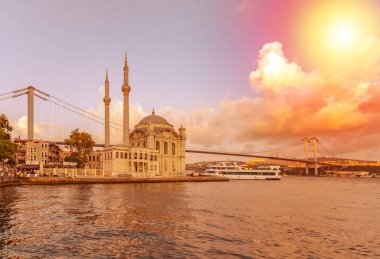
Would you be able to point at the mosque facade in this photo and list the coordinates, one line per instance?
(154, 148)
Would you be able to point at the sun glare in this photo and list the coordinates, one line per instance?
(331, 34)
(343, 35)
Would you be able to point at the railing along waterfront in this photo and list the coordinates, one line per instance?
(71, 172)
(9, 179)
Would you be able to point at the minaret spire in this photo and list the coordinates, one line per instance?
(126, 88)
(126, 71)
(107, 101)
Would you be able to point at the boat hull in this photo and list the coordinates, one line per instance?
(247, 177)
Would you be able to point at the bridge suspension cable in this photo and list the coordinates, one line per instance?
(31, 91)
(82, 110)
(328, 152)
(6, 93)
(4, 98)
(81, 114)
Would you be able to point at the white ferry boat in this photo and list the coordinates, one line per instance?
(234, 171)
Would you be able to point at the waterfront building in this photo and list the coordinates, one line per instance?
(95, 160)
(37, 152)
(153, 149)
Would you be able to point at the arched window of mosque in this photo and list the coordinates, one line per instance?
(117, 154)
(125, 155)
(165, 148)
(173, 149)
(165, 166)
(146, 155)
(158, 145)
(135, 155)
(151, 157)
(141, 156)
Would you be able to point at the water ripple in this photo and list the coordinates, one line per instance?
(296, 218)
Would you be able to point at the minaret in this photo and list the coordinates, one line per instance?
(107, 101)
(182, 149)
(126, 88)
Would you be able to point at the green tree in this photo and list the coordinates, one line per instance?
(81, 144)
(7, 147)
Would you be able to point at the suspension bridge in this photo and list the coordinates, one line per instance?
(52, 119)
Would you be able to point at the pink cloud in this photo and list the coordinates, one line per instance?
(291, 104)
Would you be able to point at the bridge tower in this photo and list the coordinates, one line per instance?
(30, 92)
(307, 141)
(30, 113)
(315, 140)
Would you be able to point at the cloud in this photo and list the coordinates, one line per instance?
(43, 130)
(295, 102)
(20, 127)
(291, 104)
(276, 74)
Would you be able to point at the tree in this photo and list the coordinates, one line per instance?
(7, 147)
(81, 144)
(4, 124)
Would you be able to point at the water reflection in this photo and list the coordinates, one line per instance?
(8, 198)
(297, 217)
(84, 220)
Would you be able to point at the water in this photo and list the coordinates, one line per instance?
(298, 217)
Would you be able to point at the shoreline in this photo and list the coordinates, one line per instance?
(106, 180)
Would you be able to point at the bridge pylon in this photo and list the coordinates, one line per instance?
(30, 92)
(308, 140)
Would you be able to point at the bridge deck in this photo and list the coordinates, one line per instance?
(238, 155)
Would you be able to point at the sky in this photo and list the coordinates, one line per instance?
(240, 75)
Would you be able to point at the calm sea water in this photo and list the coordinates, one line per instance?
(298, 217)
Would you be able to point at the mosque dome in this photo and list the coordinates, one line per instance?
(154, 119)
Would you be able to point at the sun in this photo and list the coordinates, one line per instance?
(343, 35)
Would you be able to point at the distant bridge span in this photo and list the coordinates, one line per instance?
(254, 156)
(236, 154)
